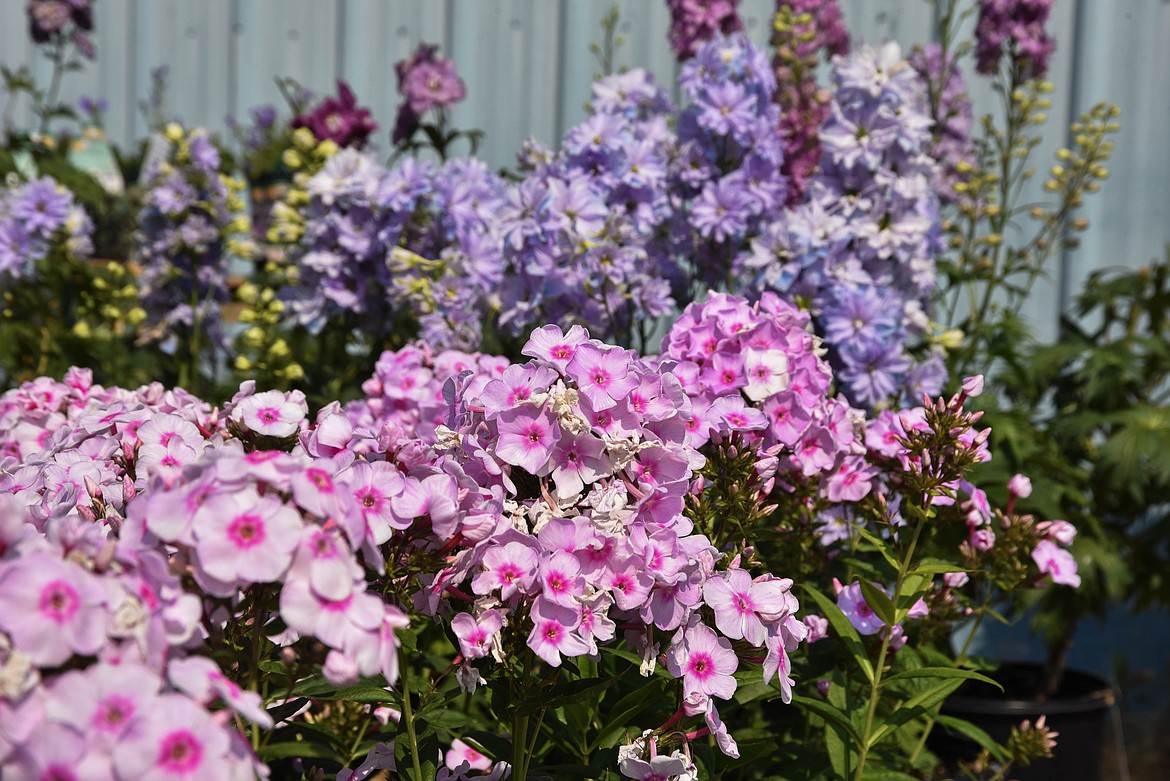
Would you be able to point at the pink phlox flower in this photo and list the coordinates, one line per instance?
(704, 661)
(461, 752)
(659, 552)
(817, 627)
(511, 568)
(553, 632)
(1062, 532)
(738, 603)
(52, 609)
(203, 681)
(518, 384)
(724, 373)
(174, 739)
(527, 436)
(272, 413)
(767, 373)
(101, 701)
(648, 400)
(1057, 563)
(244, 537)
(851, 481)
(381, 757)
(595, 622)
(323, 558)
(602, 375)
(55, 752)
(330, 621)
(629, 583)
(657, 466)
(856, 609)
(476, 633)
(816, 452)
(731, 413)
(436, 496)
(670, 605)
(374, 486)
(576, 461)
(560, 578)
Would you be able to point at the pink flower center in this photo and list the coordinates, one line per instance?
(701, 666)
(600, 378)
(180, 751)
(562, 352)
(112, 713)
(246, 531)
(268, 415)
(59, 601)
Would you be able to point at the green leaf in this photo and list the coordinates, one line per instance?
(844, 629)
(564, 693)
(829, 713)
(878, 601)
(940, 672)
(364, 694)
(880, 545)
(918, 706)
(286, 709)
(293, 749)
(624, 711)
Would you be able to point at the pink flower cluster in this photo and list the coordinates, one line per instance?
(406, 390)
(134, 529)
(557, 496)
(757, 370)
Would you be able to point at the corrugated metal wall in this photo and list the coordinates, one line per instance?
(528, 69)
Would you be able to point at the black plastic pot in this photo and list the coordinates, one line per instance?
(1079, 712)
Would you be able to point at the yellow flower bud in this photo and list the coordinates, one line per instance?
(136, 315)
(303, 139)
(328, 148)
(291, 158)
(243, 363)
(174, 132)
(293, 372)
(81, 329)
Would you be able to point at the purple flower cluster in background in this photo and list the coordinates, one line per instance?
(954, 114)
(340, 120)
(694, 22)
(181, 241)
(1017, 25)
(53, 21)
(415, 239)
(861, 249)
(37, 218)
(578, 232)
(726, 183)
(425, 82)
(803, 29)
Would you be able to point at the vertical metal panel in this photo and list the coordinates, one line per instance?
(528, 70)
(297, 38)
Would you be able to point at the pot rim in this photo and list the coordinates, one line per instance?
(1101, 697)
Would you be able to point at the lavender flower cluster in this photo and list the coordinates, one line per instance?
(1018, 26)
(861, 249)
(578, 232)
(413, 240)
(36, 219)
(693, 22)
(189, 215)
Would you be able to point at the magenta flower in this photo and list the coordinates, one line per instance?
(339, 119)
(578, 461)
(427, 81)
(552, 632)
(475, 634)
(551, 344)
(511, 568)
(602, 375)
(271, 413)
(174, 739)
(560, 579)
(704, 661)
(460, 752)
(857, 610)
(527, 437)
(101, 702)
(52, 609)
(1057, 563)
(738, 603)
(244, 537)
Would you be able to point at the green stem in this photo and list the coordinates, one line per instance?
(875, 685)
(408, 714)
(58, 57)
